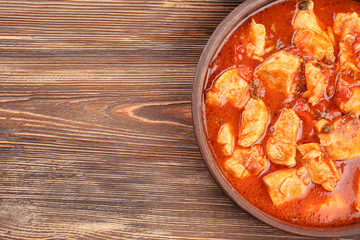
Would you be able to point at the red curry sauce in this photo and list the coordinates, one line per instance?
(277, 20)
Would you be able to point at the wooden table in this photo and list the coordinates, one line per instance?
(96, 136)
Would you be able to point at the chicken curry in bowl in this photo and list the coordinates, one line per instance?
(281, 111)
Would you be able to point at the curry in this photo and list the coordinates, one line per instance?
(281, 110)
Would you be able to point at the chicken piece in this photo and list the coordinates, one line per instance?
(315, 83)
(226, 138)
(347, 25)
(257, 34)
(353, 104)
(358, 195)
(342, 142)
(321, 169)
(277, 77)
(281, 147)
(347, 95)
(310, 36)
(287, 184)
(230, 86)
(348, 60)
(330, 208)
(253, 122)
(246, 162)
(306, 18)
(321, 124)
(315, 44)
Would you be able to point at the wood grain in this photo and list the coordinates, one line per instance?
(96, 137)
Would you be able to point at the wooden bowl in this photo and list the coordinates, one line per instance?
(230, 23)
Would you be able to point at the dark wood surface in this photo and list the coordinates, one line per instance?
(96, 136)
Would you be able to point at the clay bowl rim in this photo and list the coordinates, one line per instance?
(224, 29)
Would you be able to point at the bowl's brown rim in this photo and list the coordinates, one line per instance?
(224, 29)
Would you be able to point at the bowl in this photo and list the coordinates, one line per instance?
(229, 24)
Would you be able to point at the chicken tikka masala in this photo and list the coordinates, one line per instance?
(281, 110)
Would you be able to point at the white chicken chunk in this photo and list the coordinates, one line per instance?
(287, 184)
(353, 104)
(277, 77)
(226, 138)
(230, 86)
(347, 59)
(358, 194)
(257, 35)
(321, 169)
(347, 94)
(281, 147)
(306, 19)
(246, 162)
(315, 83)
(347, 26)
(253, 122)
(342, 142)
(315, 44)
